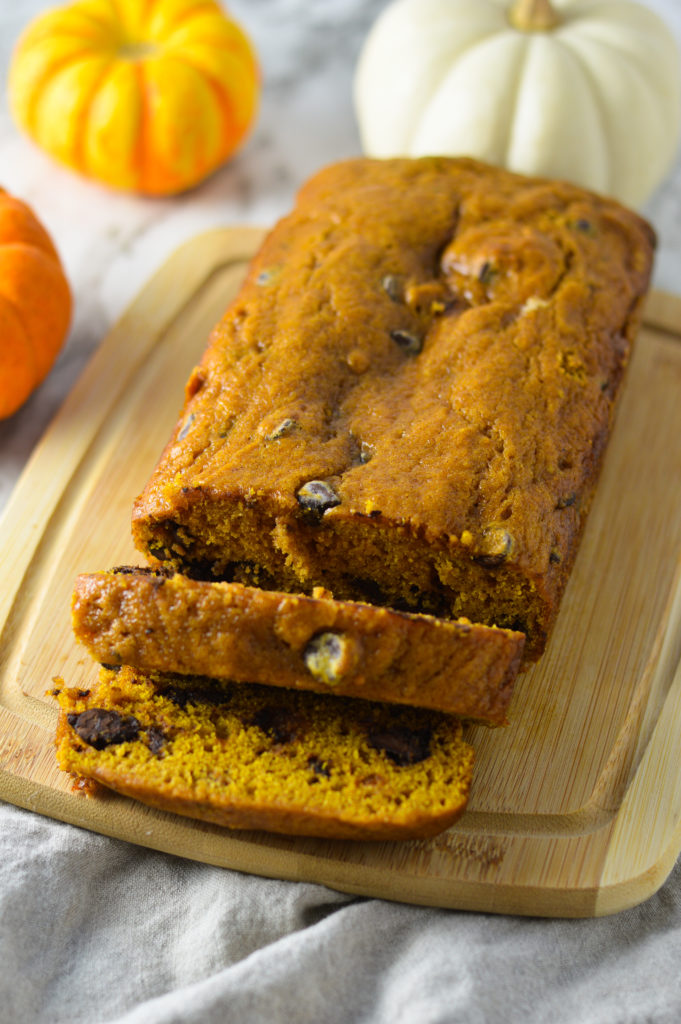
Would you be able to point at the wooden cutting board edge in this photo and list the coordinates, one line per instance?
(622, 882)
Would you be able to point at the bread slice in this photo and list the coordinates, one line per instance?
(256, 757)
(158, 621)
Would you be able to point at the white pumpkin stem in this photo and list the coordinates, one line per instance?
(533, 15)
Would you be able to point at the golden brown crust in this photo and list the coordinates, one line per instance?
(273, 818)
(268, 759)
(225, 630)
(440, 344)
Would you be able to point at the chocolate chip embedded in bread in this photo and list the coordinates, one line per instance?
(408, 342)
(287, 426)
(498, 546)
(211, 693)
(100, 727)
(393, 286)
(402, 745)
(585, 226)
(318, 766)
(155, 739)
(268, 276)
(366, 452)
(278, 723)
(186, 427)
(487, 272)
(317, 496)
(330, 656)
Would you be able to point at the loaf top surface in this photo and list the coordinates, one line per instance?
(439, 341)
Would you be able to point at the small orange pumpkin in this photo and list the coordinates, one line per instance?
(144, 96)
(35, 303)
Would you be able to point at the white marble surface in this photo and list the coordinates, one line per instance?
(111, 243)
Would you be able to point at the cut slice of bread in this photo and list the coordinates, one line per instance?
(256, 757)
(155, 621)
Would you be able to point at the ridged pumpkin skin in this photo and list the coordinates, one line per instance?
(586, 90)
(35, 303)
(148, 96)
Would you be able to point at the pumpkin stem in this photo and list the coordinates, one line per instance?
(533, 15)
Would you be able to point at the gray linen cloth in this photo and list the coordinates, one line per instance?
(95, 930)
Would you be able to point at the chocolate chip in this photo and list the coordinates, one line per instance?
(212, 693)
(282, 726)
(101, 727)
(158, 550)
(486, 273)
(319, 767)
(554, 557)
(317, 496)
(155, 739)
(567, 501)
(498, 547)
(366, 452)
(328, 656)
(489, 561)
(179, 541)
(402, 745)
(286, 426)
(408, 342)
(179, 697)
(393, 287)
(185, 428)
(585, 226)
(268, 275)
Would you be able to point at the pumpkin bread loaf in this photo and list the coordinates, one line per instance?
(409, 400)
(258, 757)
(154, 621)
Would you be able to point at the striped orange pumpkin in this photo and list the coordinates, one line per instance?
(148, 96)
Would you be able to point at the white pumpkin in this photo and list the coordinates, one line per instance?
(586, 90)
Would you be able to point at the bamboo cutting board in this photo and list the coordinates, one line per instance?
(576, 806)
